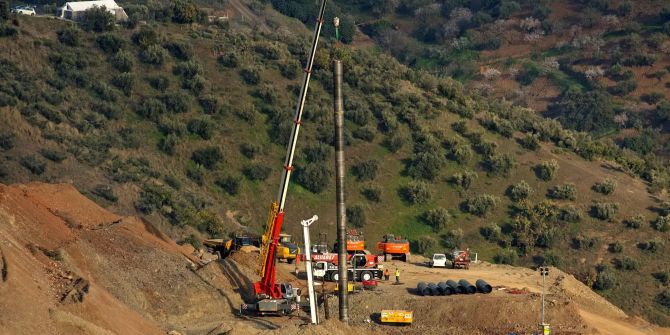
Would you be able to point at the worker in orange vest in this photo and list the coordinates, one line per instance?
(387, 274)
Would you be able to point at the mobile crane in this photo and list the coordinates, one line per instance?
(274, 298)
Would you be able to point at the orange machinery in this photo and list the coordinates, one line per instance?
(355, 241)
(395, 247)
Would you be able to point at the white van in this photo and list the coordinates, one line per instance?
(439, 260)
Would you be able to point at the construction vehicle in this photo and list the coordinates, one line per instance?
(355, 241)
(460, 259)
(394, 247)
(223, 248)
(287, 250)
(271, 297)
(397, 316)
(371, 261)
(358, 269)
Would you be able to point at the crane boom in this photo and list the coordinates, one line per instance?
(267, 286)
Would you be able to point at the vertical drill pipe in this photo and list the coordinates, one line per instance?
(339, 191)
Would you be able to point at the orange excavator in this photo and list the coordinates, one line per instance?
(355, 241)
(394, 246)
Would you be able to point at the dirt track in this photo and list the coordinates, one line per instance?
(70, 267)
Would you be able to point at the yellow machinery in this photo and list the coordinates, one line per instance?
(397, 316)
(350, 287)
(287, 250)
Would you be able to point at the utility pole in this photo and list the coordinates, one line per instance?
(546, 330)
(308, 266)
(338, 115)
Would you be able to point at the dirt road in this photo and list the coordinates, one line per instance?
(246, 13)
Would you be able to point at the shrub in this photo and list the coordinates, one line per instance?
(623, 88)
(201, 127)
(605, 280)
(372, 193)
(426, 165)
(314, 177)
(289, 69)
(183, 11)
(187, 69)
(151, 109)
(251, 75)
(507, 256)
(152, 198)
(366, 134)
(210, 104)
(628, 264)
(604, 210)
(7, 140)
(571, 213)
(106, 192)
(146, 37)
(317, 153)
(662, 223)
(615, 247)
(663, 298)
(230, 184)
(563, 192)
(98, 19)
(606, 187)
(231, 60)
(650, 246)
(634, 222)
(356, 216)
(491, 232)
(180, 50)
(208, 157)
(250, 150)
(499, 165)
(153, 54)
(652, 98)
(196, 173)
(69, 36)
(519, 191)
(168, 144)
(394, 142)
(452, 239)
(425, 244)
(122, 61)
(33, 164)
(256, 171)
(479, 205)
(110, 43)
(246, 113)
(366, 170)
(53, 155)
(437, 218)
(159, 82)
(460, 152)
(585, 242)
(463, 180)
(663, 277)
(546, 170)
(125, 82)
(176, 102)
(415, 192)
(530, 142)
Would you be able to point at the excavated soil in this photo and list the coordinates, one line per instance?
(67, 266)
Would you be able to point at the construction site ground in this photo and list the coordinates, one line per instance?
(70, 267)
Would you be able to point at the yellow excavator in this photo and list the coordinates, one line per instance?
(287, 250)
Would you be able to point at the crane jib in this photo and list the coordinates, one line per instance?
(267, 286)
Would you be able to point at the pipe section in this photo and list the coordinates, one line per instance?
(483, 286)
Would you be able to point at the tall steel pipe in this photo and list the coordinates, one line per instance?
(339, 191)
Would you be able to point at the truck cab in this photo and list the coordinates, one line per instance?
(438, 260)
(358, 269)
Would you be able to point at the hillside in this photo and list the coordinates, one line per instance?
(71, 267)
(186, 124)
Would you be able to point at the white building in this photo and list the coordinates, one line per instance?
(75, 10)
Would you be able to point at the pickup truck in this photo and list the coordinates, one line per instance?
(439, 260)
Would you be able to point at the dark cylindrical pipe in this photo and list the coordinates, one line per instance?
(483, 286)
(433, 289)
(422, 289)
(454, 287)
(339, 190)
(444, 288)
(467, 287)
